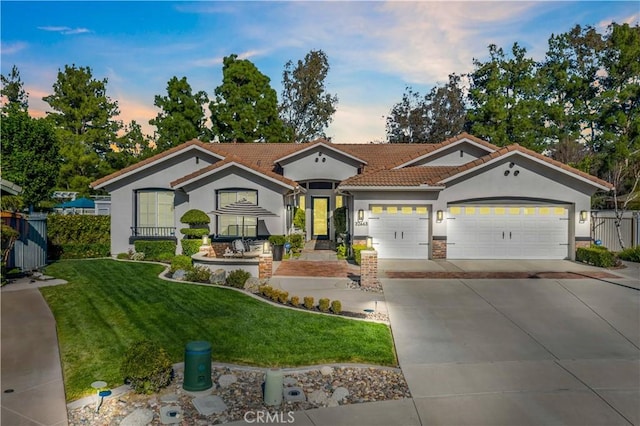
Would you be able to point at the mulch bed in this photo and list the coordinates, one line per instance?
(498, 275)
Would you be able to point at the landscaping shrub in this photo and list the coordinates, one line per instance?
(357, 248)
(295, 301)
(166, 257)
(275, 294)
(336, 307)
(296, 241)
(308, 302)
(265, 290)
(123, 256)
(83, 251)
(323, 304)
(341, 251)
(195, 217)
(153, 250)
(283, 296)
(137, 256)
(595, 255)
(194, 233)
(238, 278)
(78, 236)
(340, 221)
(631, 254)
(198, 274)
(146, 367)
(180, 262)
(190, 247)
(277, 240)
(299, 219)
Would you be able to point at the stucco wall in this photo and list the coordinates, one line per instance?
(156, 176)
(312, 166)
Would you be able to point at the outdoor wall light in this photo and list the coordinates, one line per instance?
(506, 172)
(583, 216)
(360, 215)
(439, 215)
(516, 173)
(369, 242)
(266, 247)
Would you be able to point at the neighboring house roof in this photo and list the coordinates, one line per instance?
(383, 165)
(10, 187)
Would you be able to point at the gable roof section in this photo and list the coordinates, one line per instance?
(165, 155)
(317, 143)
(510, 150)
(432, 149)
(230, 161)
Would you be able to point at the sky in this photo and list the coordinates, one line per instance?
(375, 49)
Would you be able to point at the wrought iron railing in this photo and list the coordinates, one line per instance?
(153, 231)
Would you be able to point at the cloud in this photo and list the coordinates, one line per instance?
(65, 30)
(10, 48)
(632, 19)
(358, 124)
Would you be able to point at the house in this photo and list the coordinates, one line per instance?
(462, 198)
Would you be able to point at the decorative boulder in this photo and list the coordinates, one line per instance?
(252, 284)
(180, 274)
(218, 276)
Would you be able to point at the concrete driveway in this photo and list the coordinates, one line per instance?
(531, 351)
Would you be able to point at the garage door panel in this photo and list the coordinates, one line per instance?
(400, 232)
(508, 232)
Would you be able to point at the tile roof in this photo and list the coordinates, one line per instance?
(380, 160)
(408, 176)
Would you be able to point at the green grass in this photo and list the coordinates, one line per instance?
(108, 305)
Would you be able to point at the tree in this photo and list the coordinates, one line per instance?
(83, 109)
(29, 154)
(182, 115)
(130, 147)
(245, 107)
(505, 106)
(84, 120)
(13, 89)
(306, 108)
(433, 118)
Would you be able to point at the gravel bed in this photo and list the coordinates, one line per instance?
(362, 384)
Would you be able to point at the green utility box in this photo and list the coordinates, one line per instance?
(197, 366)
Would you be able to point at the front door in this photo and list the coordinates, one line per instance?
(320, 226)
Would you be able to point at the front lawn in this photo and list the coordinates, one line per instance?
(108, 305)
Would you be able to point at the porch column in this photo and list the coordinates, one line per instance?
(369, 269)
(265, 266)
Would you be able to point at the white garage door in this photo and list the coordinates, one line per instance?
(508, 232)
(400, 232)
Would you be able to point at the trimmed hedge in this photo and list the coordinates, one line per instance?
(195, 217)
(78, 236)
(630, 254)
(193, 233)
(596, 255)
(357, 248)
(146, 367)
(190, 247)
(155, 250)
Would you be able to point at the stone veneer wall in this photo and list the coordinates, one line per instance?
(438, 249)
(265, 266)
(369, 269)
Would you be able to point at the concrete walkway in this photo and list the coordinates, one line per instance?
(32, 386)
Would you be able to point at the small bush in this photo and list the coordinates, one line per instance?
(137, 256)
(194, 233)
(122, 256)
(323, 304)
(296, 241)
(154, 249)
(277, 240)
(283, 296)
(265, 290)
(295, 301)
(336, 307)
(596, 256)
(82, 250)
(630, 254)
(357, 248)
(308, 302)
(180, 262)
(195, 217)
(299, 219)
(190, 247)
(238, 278)
(275, 294)
(341, 251)
(146, 367)
(198, 274)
